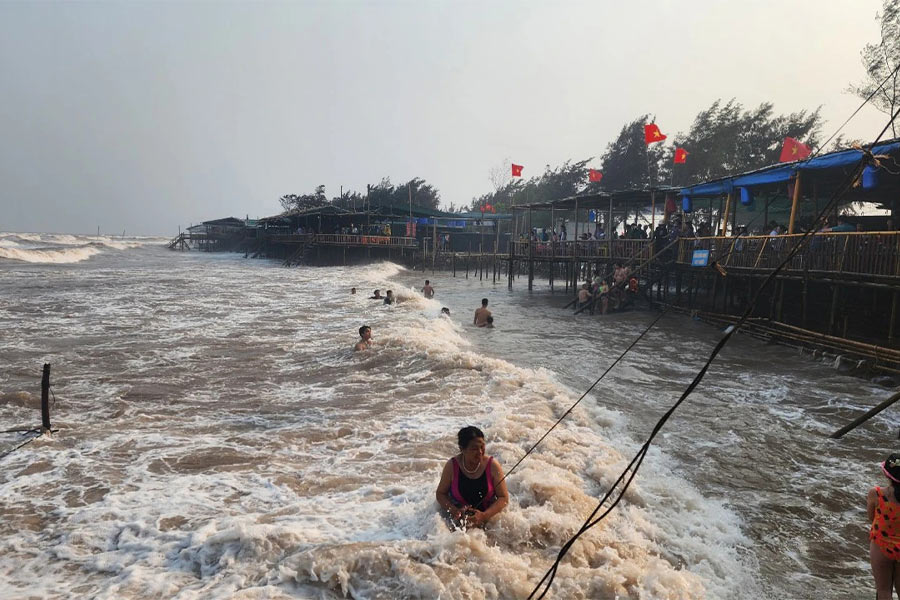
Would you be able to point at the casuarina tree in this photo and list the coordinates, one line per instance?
(880, 60)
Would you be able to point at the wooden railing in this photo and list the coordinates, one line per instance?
(854, 253)
(616, 249)
(341, 239)
(291, 238)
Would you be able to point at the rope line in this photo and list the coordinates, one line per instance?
(859, 108)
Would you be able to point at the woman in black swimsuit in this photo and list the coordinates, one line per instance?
(472, 484)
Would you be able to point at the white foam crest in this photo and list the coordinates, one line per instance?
(121, 244)
(381, 272)
(50, 255)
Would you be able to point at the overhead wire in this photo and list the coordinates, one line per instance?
(859, 108)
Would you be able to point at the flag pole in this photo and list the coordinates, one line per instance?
(652, 197)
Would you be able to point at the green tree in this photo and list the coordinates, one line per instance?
(294, 202)
(386, 193)
(625, 162)
(880, 61)
(568, 179)
(725, 140)
(423, 193)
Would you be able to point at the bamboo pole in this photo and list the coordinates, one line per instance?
(794, 203)
(727, 211)
(863, 418)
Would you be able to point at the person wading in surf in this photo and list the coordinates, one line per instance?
(428, 291)
(472, 488)
(365, 339)
(482, 314)
(883, 508)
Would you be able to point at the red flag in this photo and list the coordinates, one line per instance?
(517, 170)
(652, 133)
(794, 150)
(595, 175)
(680, 156)
(487, 208)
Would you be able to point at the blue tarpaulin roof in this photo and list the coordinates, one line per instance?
(782, 173)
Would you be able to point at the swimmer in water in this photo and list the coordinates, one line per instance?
(389, 299)
(482, 314)
(376, 296)
(353, 291)
(445, 311)
(472, 488)
(365, 339)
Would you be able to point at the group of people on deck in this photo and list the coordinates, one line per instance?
(609, 292)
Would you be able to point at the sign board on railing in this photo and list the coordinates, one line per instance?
(700, 258)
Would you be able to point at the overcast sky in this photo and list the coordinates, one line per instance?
(146, 116)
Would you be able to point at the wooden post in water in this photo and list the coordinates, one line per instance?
(834, 301)
(433, 244)
(805, 304)
(552, 243)
(45, 398)
(893, 321)
(530, 253)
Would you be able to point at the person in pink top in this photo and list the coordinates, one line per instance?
(472, 489)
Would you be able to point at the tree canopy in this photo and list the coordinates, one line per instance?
(727, 139)
(880, 61)
(384, 193)
(625, 161)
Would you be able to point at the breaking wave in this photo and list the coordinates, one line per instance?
(60, 248)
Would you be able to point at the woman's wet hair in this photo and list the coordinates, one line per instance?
(467, 434)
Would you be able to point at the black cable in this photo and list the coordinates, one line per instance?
(26, 442)
(859, 108)
(588, 391)
(615, 362)
(636, 462)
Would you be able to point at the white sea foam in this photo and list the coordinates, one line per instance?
(50, 255)
(61, 248)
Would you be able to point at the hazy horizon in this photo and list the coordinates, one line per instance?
(150, 116)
